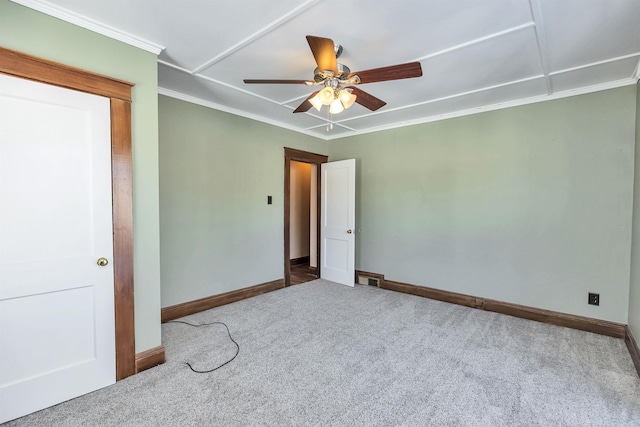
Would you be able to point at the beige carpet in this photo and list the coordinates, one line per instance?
(325, 354)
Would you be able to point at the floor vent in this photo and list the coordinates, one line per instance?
(364, 279)
(369, 279)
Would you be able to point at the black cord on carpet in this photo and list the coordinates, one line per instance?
(209, 324)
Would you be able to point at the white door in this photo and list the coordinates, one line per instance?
(338, 217)
(57, 337)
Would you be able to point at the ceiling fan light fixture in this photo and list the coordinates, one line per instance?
(347, 98)
(336, 107)
(337, 79)
(326, 96)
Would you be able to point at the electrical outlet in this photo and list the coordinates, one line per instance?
(594, 299)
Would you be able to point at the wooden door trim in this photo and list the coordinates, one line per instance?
(41, 70)
(291, 154)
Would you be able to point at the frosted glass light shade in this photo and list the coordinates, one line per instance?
(326, 96)
(336, 107)
(347, 98)
(316, 102)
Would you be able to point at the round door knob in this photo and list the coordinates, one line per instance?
(349, 231)
(102, 262)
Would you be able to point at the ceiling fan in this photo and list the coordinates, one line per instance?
(338, 92)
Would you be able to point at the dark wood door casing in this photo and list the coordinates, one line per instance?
(291, 154)
(37, 69)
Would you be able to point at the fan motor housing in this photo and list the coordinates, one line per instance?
(343, 72)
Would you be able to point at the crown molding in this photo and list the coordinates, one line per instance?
(350, 132)
(89, 24)
(198, 101)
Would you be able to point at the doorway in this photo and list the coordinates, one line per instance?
(302, 224)
(301, 171)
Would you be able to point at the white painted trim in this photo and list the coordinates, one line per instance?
(296, 99)
(564, 94)
(478, 40)
(224, 108)
(454, 114)
(333, 123)
(498, 106)
(444, 98)
(593, 64)
(255, 95)
(636, 73)
(174, 66)
(221, 83)
(325, 121)
(541, 41)
(265, 30)
(329, 132)
(90, 24)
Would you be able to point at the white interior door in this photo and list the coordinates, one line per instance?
(57, 329)
(338, 217)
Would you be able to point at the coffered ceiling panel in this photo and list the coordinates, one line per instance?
(478, 66)
(582, 32)
(475, 55)
(451, 107)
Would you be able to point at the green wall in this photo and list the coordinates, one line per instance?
(530, 205)
(634, 294)
(217, 231)
(32, 32)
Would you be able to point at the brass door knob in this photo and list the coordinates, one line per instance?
(103, 262)
(349, 231)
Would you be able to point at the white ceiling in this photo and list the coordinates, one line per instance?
(476, 55)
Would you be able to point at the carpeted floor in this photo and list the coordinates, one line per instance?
(325, 354)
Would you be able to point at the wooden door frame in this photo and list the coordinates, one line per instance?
(291, 154)
(119, 92)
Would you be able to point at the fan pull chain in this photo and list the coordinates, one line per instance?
(330, 118)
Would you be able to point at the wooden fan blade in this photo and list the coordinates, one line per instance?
(392, 72)
(306, 105)
(367, 100)
(324, 53)
(271, 81)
